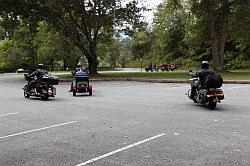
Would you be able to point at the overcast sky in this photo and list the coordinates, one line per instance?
(151, 4)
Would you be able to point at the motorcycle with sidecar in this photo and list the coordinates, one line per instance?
(81, 85)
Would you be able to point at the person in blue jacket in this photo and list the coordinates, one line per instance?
(79, 72)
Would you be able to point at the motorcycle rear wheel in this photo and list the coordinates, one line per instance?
(211, 105)
(45, 98)
(90, 90)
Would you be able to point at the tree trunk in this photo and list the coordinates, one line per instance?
(218, 35)
(214, 44)
(93, 63)
(64, 65)
(221, 49)
(213, 36)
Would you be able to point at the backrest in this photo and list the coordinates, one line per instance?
(81, 79)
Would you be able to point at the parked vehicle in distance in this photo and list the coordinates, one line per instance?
(22, 71)
(151, 68)
(167, 67)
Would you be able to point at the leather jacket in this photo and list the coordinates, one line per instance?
(202, 74)
(39, 73)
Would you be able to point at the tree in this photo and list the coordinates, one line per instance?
(172, 23)
(83, 21)
(23, 37)
(53, 47)
(217, 14)
(125, 52)
(11, 57)
(8, 24)
(140, 45)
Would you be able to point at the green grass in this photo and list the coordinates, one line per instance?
(178, 74)
(236, 75)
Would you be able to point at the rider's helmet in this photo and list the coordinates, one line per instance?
(41, 66)
(79, 65)
(204, 64)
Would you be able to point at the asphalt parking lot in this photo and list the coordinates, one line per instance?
(122, 124)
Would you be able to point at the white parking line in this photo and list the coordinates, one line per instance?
(9, 114)
(25, 132)
(118, 150)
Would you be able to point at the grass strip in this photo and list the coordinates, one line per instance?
(178, 74)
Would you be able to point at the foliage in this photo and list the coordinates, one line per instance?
(11, 57)
(141, 45)
(84, 22)
(171, 24)
(111, 34)
(219, 18)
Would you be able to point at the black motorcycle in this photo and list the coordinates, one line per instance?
(40, 88)
(152, 68)
(206, 96)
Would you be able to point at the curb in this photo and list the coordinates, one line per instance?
(152, 80)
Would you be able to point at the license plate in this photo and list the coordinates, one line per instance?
(82, 82)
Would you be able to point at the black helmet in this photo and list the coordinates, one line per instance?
(41, 66)
(79, 65)
(205, 65)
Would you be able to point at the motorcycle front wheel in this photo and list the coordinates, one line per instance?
(25, 93)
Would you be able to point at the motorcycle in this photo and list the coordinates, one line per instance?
(167, 67)
(152, 68)
(81, 85)
(208, 97)
(41, 88)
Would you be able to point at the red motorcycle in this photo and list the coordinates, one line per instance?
(167, 67)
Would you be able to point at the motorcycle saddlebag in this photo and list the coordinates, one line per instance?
(214, 81)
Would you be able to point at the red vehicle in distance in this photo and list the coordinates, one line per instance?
(167, 67)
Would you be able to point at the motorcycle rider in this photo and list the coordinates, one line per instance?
(202, 74)
(79, 71)
(39, 73)
(78, 67)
